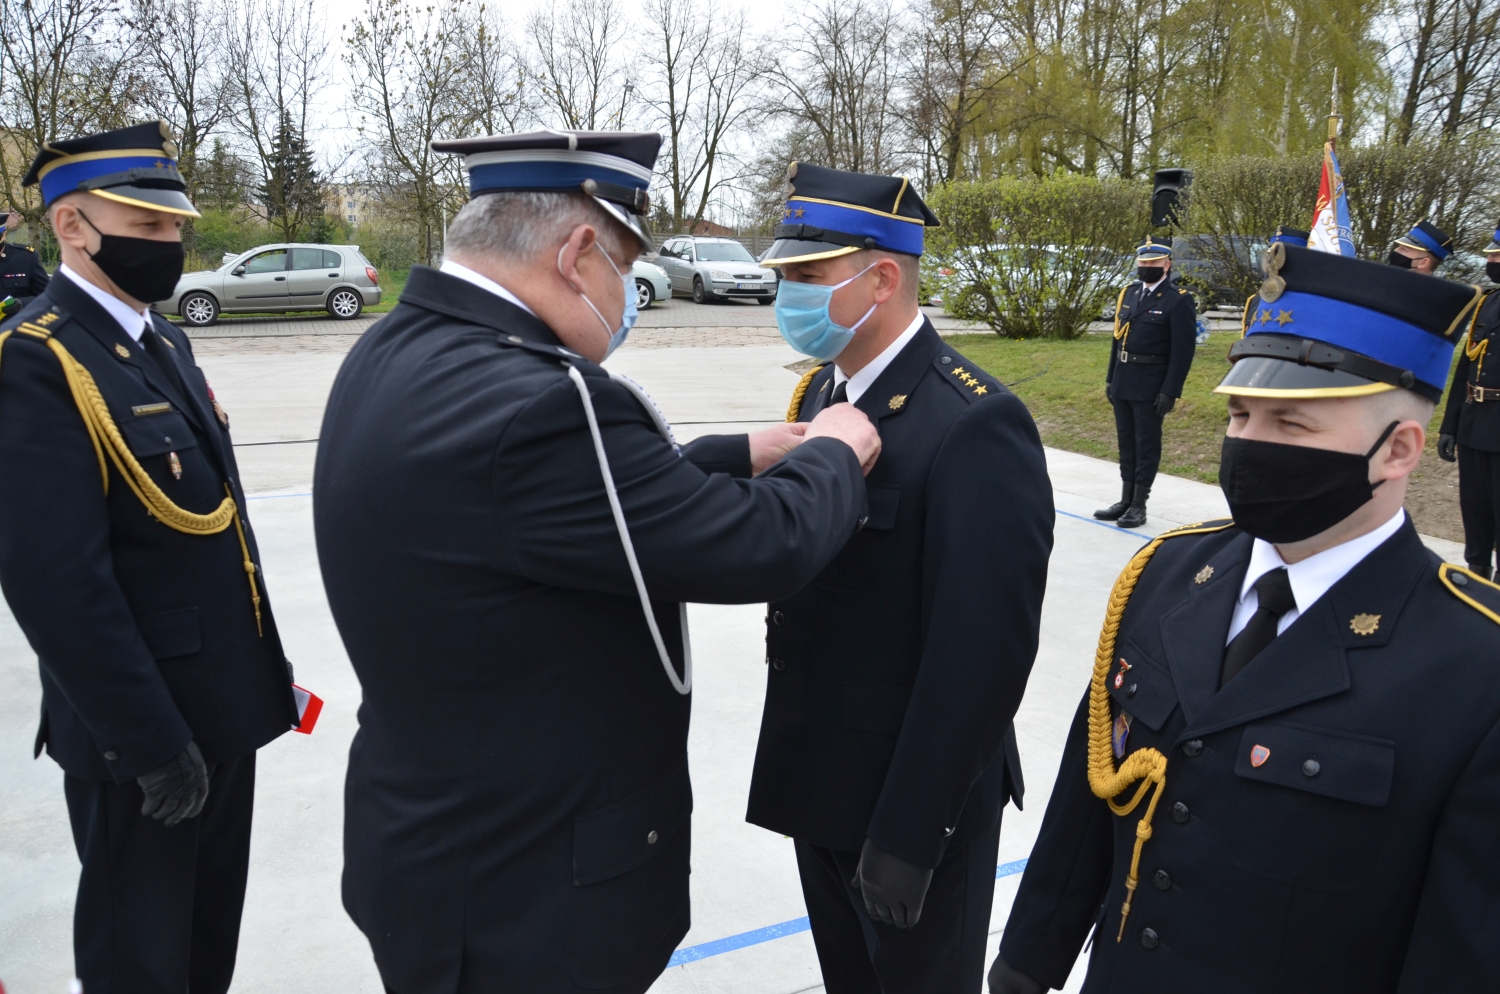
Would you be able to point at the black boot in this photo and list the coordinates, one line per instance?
(1113, 511)
(1135, 514)
(1482, 570)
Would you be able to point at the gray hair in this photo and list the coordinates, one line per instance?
(521, 226)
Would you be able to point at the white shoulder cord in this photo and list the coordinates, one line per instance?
(685, 685)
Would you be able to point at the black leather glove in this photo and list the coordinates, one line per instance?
(178, 789)
(893, 888)
(1448, 448)
(1164, 404)
(1004, 979)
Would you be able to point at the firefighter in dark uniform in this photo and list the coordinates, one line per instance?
(507, 535)
(1422, 249)
(1471, 426)
(1156, 323)
(129, 563)
(886, 747)
(1284, 773)
(22, 275)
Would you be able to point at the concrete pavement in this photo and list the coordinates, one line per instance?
(296, 936)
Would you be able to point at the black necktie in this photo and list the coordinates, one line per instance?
(154, 347)
(840, 394)
(1273, 592)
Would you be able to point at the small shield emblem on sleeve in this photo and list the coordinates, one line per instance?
(1258, 755)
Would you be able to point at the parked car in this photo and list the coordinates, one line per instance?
(281, 277)
(651, 283)
(710, 268)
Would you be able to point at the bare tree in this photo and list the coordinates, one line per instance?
(577, 74)
(494, 95)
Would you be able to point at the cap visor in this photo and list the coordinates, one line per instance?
(1414, 245)
(1264, 376)
(153, 199)
(1151, 258)
(1491, 248)
(785, 250)
(634, 222)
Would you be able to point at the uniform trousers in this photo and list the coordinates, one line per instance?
(1138, 430)
(942, 954)
(158, 908)
(1479, 502)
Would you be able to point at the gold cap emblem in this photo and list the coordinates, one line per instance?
(897, 402)
(1204, 574)
(1364, 624)
(122, 351)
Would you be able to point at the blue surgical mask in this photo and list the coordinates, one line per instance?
(627, 317)
(802, 315)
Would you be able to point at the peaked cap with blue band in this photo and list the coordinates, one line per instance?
(1293, 237)
(1494, 245)
(831, 212)
(613, 167)
(1153, 250)
(135, 165)
(1328, 325)
(1428, 237)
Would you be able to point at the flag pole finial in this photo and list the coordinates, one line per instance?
(1333, 109)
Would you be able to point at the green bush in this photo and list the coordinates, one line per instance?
(208, 238)
(1034, 258)
(390, 245)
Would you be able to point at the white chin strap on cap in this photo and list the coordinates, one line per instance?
(685, 685)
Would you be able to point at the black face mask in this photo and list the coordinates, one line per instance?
(1398, 260)
(1150, 274)
(1286, 493)
(145, 268)
(1492, 270)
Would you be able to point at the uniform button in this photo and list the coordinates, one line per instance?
(777, 664)
(1161, 880)
(1459, 580)
(167, 439)
(779, 618)
(111, 755)
(1193, 747)
(1149, 938)
(1180, 813)
(651, 837)
(945, 360)
(1311, 767)
(1130, 690)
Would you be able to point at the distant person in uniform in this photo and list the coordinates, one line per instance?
(129, 562)
(1156, 326)
(508, 534)
(22, 275)
(1470, 432)
(1285, 771)
(1422, 249)
(886, 747)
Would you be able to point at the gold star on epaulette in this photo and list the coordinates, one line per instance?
(1284, 318)
(981, 390)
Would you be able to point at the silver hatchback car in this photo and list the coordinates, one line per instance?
(281, 277)
(712, 268)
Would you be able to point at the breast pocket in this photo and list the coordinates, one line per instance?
(14, 282)
(630, 877)
(1310, 806)
(1142, 686)
(156, 434)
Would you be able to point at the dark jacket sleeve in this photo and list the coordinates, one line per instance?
(720, 454)
(1453, 945)
(704, 537)
(1067, 874)
(39, 277)
(1114, 343)
(57, 570)
(1184, 345)
(988, 536)
(1457, 392)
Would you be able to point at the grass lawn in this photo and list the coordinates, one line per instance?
(1063, 385)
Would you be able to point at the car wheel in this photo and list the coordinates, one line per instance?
(199, 309)
(700, 292)
(644, 295)
(766, 301)
(345, 304)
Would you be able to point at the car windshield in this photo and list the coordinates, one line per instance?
(723, 252)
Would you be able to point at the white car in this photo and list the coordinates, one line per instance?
(651, 283)
(279, 277)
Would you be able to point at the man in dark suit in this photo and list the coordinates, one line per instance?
(1156, 323)
(22, 275)
(1285, 771)
(127, 559)
(886, 747)
(507, 534)
(1470, 432)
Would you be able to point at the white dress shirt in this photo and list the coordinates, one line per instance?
(1310, 578)
(133, 321)
(483, 282)
(861, 381)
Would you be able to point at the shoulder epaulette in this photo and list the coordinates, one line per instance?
(1473, 589)
(794, 409)
(42, 326)
(1199, 528)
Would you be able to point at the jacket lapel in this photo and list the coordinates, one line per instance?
(1310, 659)
(198, 407)
(888, 395)
(1193, 632)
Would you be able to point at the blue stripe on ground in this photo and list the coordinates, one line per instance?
(1127, 532)
(730, 943)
